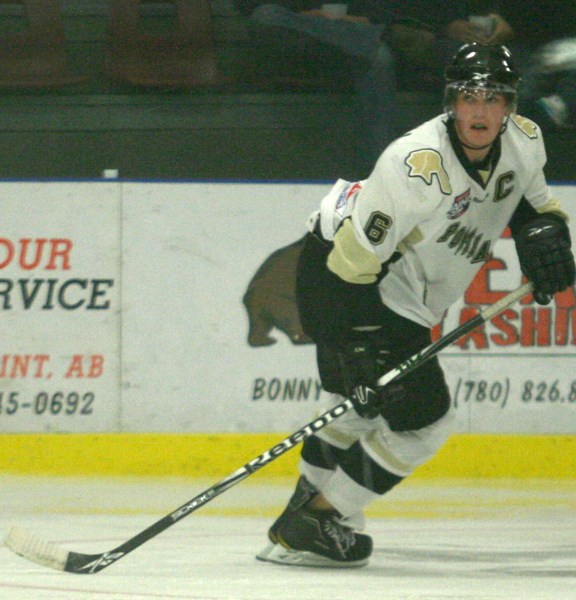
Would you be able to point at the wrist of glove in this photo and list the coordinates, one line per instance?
(362, 361)
(543, 247)
(369, 401)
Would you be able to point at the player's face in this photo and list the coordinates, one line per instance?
(479, 116)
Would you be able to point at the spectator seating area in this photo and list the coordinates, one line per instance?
(171, 89)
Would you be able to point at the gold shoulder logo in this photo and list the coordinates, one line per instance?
(526, 126)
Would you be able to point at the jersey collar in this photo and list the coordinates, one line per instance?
(473, 169)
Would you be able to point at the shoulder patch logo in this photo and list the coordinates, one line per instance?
(526, 126)
(460, 205)
(426, 164)
(345, 195)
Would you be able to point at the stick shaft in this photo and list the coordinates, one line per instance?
(433, 349)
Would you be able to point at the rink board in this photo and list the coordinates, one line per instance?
(127, 309)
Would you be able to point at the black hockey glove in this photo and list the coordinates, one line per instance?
(364, 361)
(543, 247)
(368, 402)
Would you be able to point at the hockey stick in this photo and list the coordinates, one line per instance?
(33, 548)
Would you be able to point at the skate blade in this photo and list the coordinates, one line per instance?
(265, 552)
(277, 554)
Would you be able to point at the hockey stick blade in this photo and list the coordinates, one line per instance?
(29, 546)
(37, 550)
(33, 548)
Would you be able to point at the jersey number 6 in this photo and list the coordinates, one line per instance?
(377, 227)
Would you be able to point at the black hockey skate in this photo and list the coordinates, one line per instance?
(314, 538)
(303, 493)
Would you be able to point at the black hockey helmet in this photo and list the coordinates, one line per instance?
(477, 66)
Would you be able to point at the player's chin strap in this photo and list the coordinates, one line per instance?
(45, 553)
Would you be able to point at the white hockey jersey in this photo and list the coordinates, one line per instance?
(444, 219)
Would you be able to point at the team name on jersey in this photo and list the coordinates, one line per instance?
(467, 242)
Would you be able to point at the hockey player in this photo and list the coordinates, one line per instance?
(384, 259)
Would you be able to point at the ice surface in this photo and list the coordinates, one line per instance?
(434, 540)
